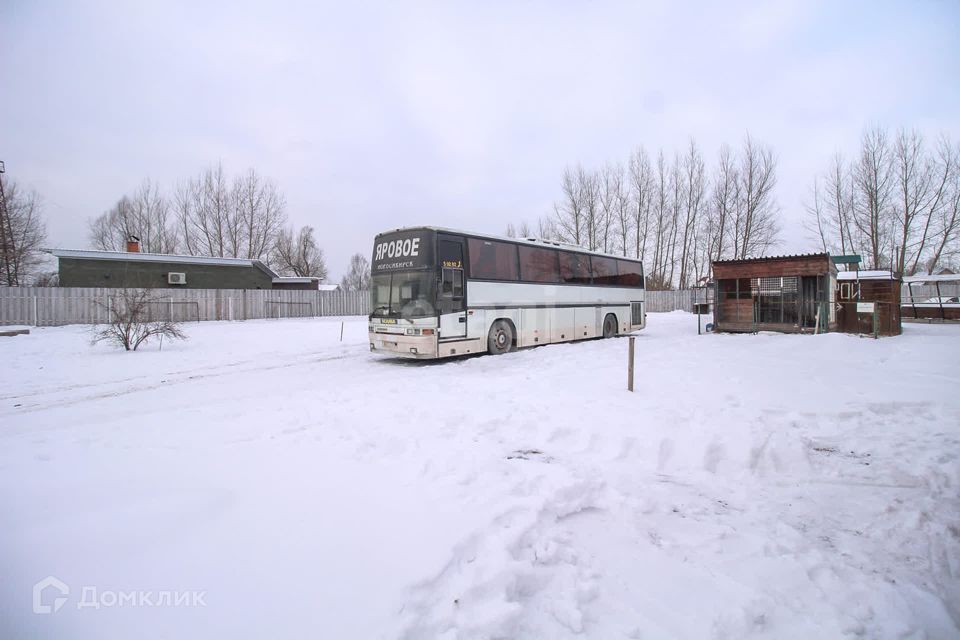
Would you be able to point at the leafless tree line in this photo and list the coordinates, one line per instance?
(671, 212)
(22, 232)
(212, 214)
(357, 277)
(896, 203)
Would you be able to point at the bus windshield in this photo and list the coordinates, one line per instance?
(409, 294)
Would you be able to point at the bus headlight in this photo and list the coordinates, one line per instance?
(413, 332)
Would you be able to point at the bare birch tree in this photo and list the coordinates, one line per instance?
(872, 179)
(357, 277)
(570, 222)
(298, 255)
(145, 214)
(661, 225)
(641, 187)
(238, 219)
(593, 215)
(946, 243)
(257, 217)
(694, 187)
(757, 226)
(723, 203)
(23, 234)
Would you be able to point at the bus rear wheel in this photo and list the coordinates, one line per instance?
(609, 326)
(500, 339)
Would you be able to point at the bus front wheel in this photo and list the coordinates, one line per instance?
(609, 326)
(500, 339)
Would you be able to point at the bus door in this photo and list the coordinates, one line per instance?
(451, 298)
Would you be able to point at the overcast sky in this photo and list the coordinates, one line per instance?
(461, 114)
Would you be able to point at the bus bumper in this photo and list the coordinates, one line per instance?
(402, 346)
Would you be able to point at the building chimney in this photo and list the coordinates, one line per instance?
(133, 244)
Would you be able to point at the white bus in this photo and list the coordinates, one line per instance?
(437, 293)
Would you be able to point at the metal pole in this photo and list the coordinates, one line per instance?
(341, 331)
(698, 318)
(633, 340)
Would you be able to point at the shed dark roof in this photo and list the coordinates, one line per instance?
(130, 256)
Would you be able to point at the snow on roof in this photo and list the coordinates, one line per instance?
(294, 279)
(129, 256)
(865, 275)
(784, 257)
(931, 278)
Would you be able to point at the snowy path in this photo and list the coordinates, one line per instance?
(753, 486)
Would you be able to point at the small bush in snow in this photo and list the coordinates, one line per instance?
(135, 317)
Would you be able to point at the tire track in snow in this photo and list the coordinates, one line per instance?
(222, 371)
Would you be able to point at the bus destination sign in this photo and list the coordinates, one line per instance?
(410, 250)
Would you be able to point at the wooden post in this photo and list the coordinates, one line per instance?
(633, 340)
(36, 312)
(341, 331)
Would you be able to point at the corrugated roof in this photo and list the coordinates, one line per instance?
(784, 257)
(129, 256)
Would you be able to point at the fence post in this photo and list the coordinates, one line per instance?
(36, 314)
(633, 340)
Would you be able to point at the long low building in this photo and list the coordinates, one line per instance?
(119, 269)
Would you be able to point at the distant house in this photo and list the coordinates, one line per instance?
(87, 268)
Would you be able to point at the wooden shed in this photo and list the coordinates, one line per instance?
(791, 294)
(868, 302)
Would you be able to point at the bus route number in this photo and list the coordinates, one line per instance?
(453, 264)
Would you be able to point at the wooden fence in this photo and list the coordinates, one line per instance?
(54, 306)
(680, 300)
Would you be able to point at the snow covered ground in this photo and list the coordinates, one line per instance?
(765, 486)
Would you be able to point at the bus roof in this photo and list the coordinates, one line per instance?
(554, 244)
